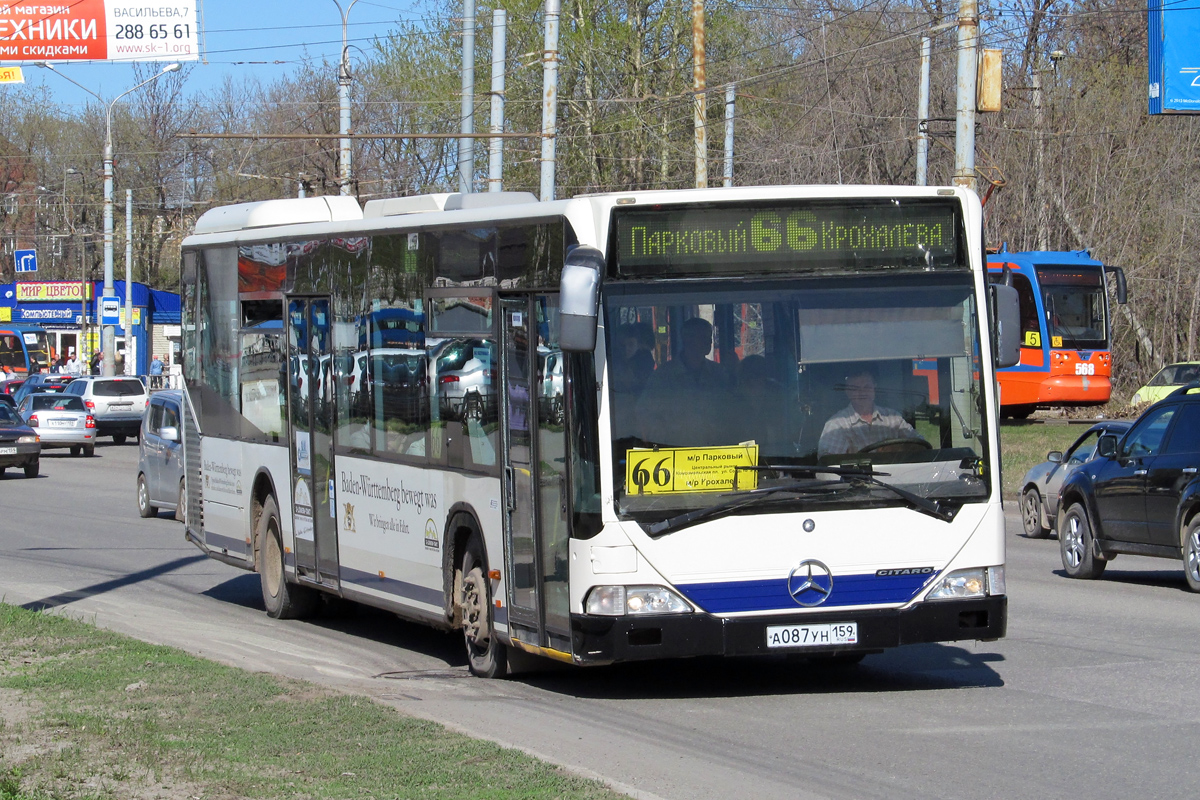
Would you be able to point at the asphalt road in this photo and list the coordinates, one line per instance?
(1090, 695)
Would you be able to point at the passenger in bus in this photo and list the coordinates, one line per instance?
(687, 402)
(633, 361)
(862, 425)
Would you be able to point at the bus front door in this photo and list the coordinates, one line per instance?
(535, 485)
(310, 406)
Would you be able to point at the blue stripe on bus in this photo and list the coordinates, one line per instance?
(410, 591)
(772, 595)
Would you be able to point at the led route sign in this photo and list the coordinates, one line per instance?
(719, 239)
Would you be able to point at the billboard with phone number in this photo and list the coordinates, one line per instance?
(98, 30)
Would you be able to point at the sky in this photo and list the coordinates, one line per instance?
(237, 36)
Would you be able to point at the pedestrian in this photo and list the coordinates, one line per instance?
(73, 367)
(156, 371)
(94, 367)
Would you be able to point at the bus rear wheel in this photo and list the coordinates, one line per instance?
(283, 600)
(486, 656)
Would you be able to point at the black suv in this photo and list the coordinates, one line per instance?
(1140, 495)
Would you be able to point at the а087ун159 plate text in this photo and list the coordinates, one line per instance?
(833, 633)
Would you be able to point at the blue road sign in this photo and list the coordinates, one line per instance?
(110, 311)
(26, 260)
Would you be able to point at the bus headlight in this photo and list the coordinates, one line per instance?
(960, 584)
(616, 601)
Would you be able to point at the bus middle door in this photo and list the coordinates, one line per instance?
(310, 402)
(535, 487)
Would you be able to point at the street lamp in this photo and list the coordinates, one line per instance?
(108, 336)
(344, 100)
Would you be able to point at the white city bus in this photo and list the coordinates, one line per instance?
(598, 429)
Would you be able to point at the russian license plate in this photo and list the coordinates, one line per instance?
(62, 423)
(121, 406)
(8, 451)
(823, 635)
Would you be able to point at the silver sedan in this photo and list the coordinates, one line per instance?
(61, 421)
(1041, 485)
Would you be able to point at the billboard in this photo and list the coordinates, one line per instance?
(52, 292)
(98, 30)
(1174, 58)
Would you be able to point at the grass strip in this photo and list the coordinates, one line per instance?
(1023, 446)
(87, 713)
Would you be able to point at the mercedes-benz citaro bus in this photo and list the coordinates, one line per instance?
(771, 427)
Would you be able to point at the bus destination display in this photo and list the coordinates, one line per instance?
(828, 235)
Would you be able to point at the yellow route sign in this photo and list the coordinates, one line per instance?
(11, 75)
(677, 470)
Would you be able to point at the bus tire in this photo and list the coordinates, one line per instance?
(283, 600)
(1077, 546)
(145, 509)
(1031, 514)
(487, 657)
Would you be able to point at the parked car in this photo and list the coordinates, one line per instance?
(11, 386)
(1140, 494)
(1168, 379)
(61, 420)
(19, 445)
(117, 404)
(160, 456)
(1041, 484)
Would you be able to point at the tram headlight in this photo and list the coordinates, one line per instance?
(616, 601)
(960, 584)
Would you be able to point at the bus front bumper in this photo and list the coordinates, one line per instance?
(604, 640)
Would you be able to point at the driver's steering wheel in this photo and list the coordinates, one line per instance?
(901, 442)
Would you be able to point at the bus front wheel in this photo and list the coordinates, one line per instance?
(282, 599)
(486, 656)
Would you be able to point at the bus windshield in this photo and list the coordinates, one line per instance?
(707, 379)
(1074, 302)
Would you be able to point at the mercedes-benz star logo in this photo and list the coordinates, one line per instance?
(811, 583)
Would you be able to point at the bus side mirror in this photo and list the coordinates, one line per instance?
(1006, 316)
(1122, 295)
(579, 299)
(1107, 446)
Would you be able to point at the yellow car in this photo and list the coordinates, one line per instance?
(1168, 379)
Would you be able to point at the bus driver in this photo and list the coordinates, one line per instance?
(862, 424)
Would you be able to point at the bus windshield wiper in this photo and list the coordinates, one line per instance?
(864, 474)
(735, 503)
(847, 476)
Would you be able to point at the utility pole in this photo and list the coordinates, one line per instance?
(130, 367)
(466, 145)
(923, 114)
(345, 178)
(496, 144)
(699, 101)
(549, 100)
(968, 67)
(730, 99)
